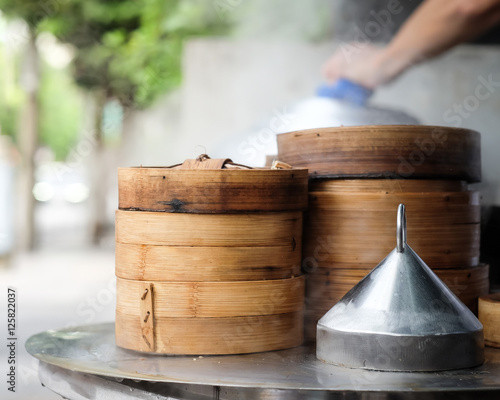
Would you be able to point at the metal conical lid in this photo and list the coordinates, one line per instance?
(400, 317)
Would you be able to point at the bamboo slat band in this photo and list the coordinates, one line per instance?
(212, 299)
(393, 186)
(194, 263)
(443, 226)
(205, 230)
(489, 315)
(234, 335)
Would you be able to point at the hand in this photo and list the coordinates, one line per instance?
(358, 64)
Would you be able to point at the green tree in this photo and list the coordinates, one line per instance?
(130, 50)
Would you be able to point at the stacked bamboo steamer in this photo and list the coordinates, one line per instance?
(208, 258)
(358, 176)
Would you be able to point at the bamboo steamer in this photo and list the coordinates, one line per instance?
(489, 315)
(208, 258)
(402, 151)
(444, 222)
(348, 215)
(358, 176)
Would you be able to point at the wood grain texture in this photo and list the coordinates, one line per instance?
(393, 186)
(212, 191)
(489, 315)
(207, 230)
(346, 215)
(405, 151)
(192, 263)
(199, 336)
(213, 299)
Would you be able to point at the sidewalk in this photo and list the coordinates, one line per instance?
(55, 289)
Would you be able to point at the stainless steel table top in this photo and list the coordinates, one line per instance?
(91, 350)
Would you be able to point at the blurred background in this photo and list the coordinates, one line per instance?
(90, 86)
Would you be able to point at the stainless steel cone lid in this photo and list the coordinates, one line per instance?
(400, 317)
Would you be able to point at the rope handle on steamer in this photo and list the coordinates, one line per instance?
(203, 161)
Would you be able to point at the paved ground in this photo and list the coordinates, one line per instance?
(62, 283)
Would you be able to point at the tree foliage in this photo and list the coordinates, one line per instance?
(129, 49)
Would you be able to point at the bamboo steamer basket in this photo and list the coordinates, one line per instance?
(489, 315)
(346, 215)
(444, 222)
(358, 176)
(208, 260)
(402, 151)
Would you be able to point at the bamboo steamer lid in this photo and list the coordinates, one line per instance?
(444, 223)
(209, 185)
(489, 315)
(404, 151)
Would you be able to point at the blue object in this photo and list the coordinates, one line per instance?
(346, 90)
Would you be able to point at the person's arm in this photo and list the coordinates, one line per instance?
(434, 27)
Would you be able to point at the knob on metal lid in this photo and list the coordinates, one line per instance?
(400, 317)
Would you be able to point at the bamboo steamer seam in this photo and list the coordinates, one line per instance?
(489, 315)
(212, 191)
(234, 335)
(261, 229)
(213, 299)
(194, 263)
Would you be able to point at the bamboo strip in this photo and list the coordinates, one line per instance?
(403, 151)
(213, 299)
(419, 203)
(190, 263)
(212, 191)
(239, 230)
(489, 315)
(394, 186)
(447, 247)
(234, 335)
